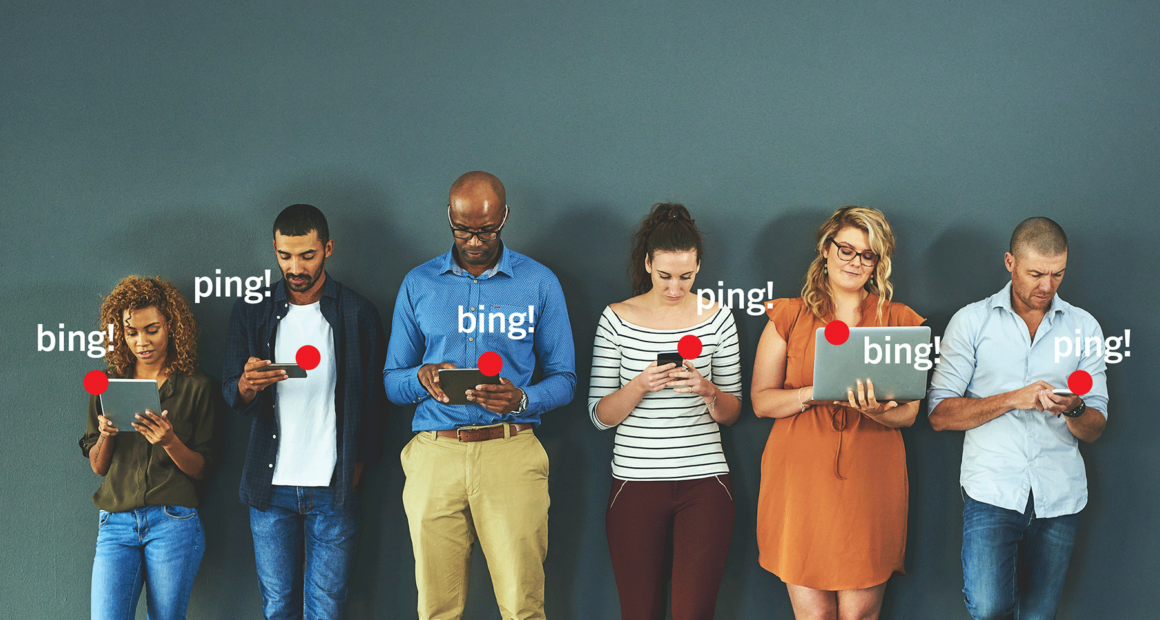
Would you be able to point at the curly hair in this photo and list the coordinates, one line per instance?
(816, 291)
(136, 293)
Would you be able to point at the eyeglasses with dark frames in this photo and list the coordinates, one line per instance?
(846, 253)
(484, 235)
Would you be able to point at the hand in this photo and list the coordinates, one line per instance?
(429, 379)
(1027, 398)
(358, 469)
(1056, 404)
(502, 398)
(863, 400)
(254, 379)
(106, 427)
(156, 429)
(655, 378)
(687, 380)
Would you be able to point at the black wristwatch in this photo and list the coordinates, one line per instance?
(1078, 411)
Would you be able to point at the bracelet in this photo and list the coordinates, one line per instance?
(712, 404)
(799, 395)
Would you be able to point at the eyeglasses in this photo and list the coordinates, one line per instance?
(485, 235)
(846, 253)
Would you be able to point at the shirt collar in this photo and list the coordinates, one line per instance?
(1002, 299)
(329, 289)
(503, 266)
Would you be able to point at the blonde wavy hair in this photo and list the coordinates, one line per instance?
(816, 291)
(136, 293)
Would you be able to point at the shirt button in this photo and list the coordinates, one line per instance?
(275, 436)
(271, 465)
(471, 339)
(476, 281)
(473, 308)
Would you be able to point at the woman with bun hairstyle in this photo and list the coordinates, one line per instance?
(670, 481)
(149, 530)
(831, 514)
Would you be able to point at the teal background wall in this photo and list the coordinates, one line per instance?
(163, 138)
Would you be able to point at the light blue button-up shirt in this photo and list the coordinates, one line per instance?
(438, 299)
(987, 350)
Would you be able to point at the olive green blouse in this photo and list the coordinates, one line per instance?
(142, 474)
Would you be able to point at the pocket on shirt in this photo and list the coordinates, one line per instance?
(180, 512)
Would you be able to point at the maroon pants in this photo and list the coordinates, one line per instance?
(691, 518)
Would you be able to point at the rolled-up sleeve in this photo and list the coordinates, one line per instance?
(956, 365)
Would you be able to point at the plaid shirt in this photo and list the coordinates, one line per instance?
(359, 401)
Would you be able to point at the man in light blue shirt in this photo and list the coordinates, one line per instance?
(477, 471)
(1022, 475)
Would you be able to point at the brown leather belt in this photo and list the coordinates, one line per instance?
(483, 433)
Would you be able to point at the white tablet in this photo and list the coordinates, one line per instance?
(125, 398)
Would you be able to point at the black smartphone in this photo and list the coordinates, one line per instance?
(670, 358)
(293, 371)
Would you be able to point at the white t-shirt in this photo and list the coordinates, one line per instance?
(307, 442)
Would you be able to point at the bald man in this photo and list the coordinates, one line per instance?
(476, 471)
(1000, 379)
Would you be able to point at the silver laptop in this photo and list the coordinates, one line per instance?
(895, 358)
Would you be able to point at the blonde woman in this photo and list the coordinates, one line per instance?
(831, 517)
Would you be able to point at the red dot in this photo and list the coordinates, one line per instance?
(96, 382)
(689, 347)
(308, 357)
(1080, 382)
(490, 363)
(837, 332)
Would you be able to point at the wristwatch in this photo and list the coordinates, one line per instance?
(1078, 411)
(523, 403)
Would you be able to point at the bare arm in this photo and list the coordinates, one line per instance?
(1087, 427)
(963, 414)
(770, 400)
(101, 454)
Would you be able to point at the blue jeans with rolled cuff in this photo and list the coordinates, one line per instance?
(304, 548)
(159, 547)
(1014, 563)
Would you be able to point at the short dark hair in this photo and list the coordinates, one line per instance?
(1040, 235)
(299, 220)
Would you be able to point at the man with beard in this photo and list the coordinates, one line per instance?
(1022, 478)
(310, 436)
(477, 471)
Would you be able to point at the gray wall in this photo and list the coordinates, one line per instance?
(162, 139)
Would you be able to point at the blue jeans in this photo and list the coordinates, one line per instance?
(156, 545)
(1002, 580)
(298, 521)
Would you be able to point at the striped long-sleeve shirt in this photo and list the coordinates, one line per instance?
(669, 435)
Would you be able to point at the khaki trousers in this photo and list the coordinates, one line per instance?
(493, 491)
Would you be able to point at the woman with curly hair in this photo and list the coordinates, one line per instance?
(831, 513)
(149, 529)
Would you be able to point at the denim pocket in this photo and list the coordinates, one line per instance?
(180, 512)
(103, 516)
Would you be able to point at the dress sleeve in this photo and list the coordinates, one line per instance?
(902, 316)
(605, 376)
(783, 312)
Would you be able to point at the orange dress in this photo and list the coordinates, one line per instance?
(831, 514)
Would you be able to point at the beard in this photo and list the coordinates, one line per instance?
(309, 279)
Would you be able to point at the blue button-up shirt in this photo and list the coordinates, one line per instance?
(445, 314)
(987, 350)
(359, 344)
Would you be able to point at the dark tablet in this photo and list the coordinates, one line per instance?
(456, 381)
(125, 398)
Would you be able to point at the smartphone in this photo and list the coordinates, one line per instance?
(671, 357)
(1063, 392)
(293, 371)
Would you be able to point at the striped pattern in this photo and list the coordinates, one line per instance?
(669, 436)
